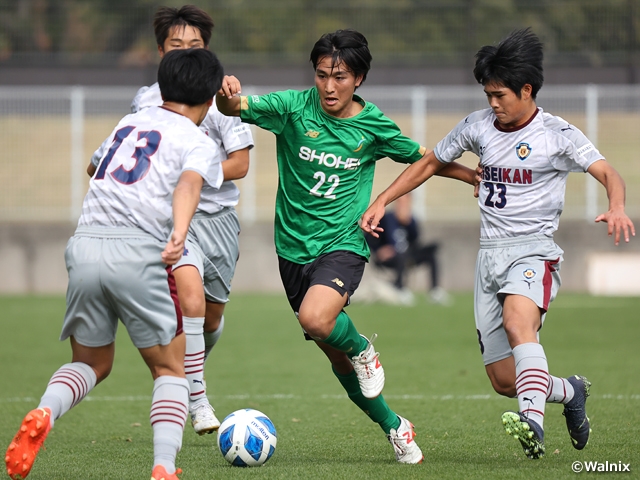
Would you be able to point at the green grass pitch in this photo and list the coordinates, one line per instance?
(435, 378)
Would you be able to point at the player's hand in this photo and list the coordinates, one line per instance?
(371, 218)
(617, 223)
(174, 249)
(230, 87)
(478, 180)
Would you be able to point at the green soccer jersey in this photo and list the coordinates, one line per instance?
(325, 169)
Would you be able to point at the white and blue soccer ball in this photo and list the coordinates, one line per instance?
(247, 438)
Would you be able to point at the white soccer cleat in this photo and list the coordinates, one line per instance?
(204, 419)
(404, 444)
(369, 370)
(440, 296)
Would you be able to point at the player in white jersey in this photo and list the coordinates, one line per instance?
(204, 274)
(525, 157)
(119, 260)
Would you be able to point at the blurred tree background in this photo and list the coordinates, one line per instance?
(438, 33)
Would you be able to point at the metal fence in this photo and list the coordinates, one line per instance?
(47, 136)
(264, 32)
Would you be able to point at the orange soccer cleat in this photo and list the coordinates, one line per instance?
(160, 473)
(24, 447)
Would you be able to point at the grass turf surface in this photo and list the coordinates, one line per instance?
(435, 378)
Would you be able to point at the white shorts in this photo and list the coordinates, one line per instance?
(527, 266)
(212, 246)
(117, 273)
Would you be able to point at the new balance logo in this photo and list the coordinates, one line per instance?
(312, 134)
(338, 282)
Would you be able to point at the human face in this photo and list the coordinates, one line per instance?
(336, 87)
(511, 111)
(181, 37)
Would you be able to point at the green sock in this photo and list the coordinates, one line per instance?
(377, 409)
(345, 337)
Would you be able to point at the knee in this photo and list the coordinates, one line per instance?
(102, 371)
(192, 304)
(503, 386)
(213, 316)
(316, 325)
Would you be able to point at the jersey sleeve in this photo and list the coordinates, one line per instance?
(204, 158)
(235, 134)
(461, 139)
(99, 153)
(135, 103)
(271, 111)
(574, 151)
(393, 144)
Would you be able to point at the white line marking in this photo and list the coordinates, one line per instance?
(288, 396)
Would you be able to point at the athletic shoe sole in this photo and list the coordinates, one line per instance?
(516, 426)
(24, 447)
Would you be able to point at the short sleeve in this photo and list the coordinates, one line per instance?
(271, 111)
(393, 144)
(574, 152)
(461, 139)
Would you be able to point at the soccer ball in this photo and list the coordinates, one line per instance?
(247, 438)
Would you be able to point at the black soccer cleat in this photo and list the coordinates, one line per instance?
(576, 414)
(528, 432)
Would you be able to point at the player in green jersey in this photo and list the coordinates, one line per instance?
(328, 143)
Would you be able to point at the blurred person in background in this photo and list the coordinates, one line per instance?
(399, 248)
(204, 273)
(526, 155)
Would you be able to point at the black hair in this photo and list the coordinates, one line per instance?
(191, 76)
(516, 61)
(189, 15)
(344, 46)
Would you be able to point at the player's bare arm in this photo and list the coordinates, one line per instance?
(91, 169)
(458, 171)
(230, 86)
(618, 223)
(229, 105)
(186, 197)
(237, 165)
(412, 177)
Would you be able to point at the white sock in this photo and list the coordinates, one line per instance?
(211, 338)
(67, 387)
(169, 407)
(194, 358)
(560, 390)
(532, 380)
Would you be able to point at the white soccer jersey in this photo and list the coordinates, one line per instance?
(525, 170)
(143, 159)
(229, 134)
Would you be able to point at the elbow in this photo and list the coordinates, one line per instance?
(243, 170)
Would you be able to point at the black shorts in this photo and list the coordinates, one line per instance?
(341, 270)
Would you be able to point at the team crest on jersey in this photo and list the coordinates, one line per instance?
(529, 274)
(312, 134)
(523, 150)
(360, 144)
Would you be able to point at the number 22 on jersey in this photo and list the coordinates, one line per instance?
(334, 181)
(141, 154)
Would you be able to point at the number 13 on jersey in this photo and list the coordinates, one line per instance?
(141, 154)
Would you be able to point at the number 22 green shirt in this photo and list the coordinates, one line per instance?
(325, 169)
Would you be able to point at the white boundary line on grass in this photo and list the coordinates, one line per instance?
(286, 396)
